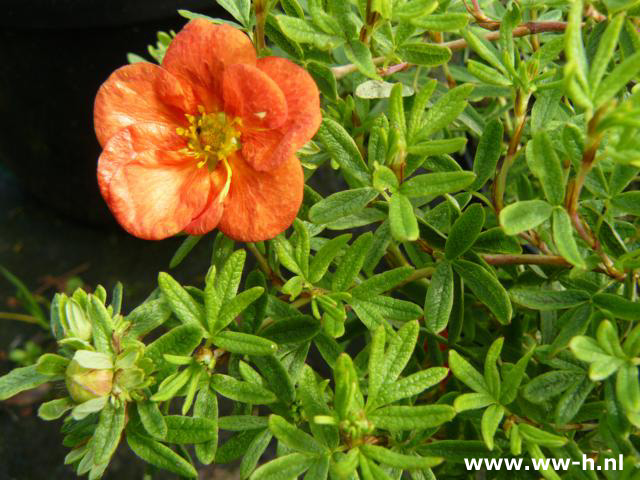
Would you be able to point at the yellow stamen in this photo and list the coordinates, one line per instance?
(211, 137)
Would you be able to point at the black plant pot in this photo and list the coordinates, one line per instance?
(54, 56)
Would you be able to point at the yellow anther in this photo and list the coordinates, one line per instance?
(211, 137)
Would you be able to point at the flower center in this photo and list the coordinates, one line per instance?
(211, 137)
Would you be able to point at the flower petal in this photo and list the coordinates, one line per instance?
(199, 53)
(124, 146)
(267, 151)
(251, 95)
(137, 93)
(210, 216)
(158, 194)
(260, 205)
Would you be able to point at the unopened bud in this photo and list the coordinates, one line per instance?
(87, 383)
(75, 322)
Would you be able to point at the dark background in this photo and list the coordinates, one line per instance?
(54, 226)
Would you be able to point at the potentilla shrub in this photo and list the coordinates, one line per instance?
(466, 290)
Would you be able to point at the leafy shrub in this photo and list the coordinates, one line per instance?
(469, 291)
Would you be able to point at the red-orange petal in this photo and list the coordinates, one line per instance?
(137, 93)
(250, 94)
(200, 52)
(211, 215)
(265, 152)
(260, 205)
(124, 146)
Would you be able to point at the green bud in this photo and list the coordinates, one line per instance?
(75, 322)
(87, 383)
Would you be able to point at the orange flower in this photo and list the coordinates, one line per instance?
(206, 140)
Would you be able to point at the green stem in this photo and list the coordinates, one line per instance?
(23, 318)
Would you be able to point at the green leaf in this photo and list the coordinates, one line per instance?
(486, 288)
(292, 330)
(551, 384)
(412, 385)
(564, 239)
(513, 379)
(351, 263)
(543, 299)
(181, 340)
(417, 110)
(397, 118)
(545, 165)
(244, 344)
(540, 437)
(182, 304)
(606, 48)
(398, 460)
(106, 437)
(324, 78)
(574, 48)
(381, 282)
(102, 325)
(376, 362)
(241, 391)
(234, 307)
(445, 110)
(402, 219)
(302, 31)
(359, 54)
(487, 74)
(413, 8)
(487, 153)
(277, 377)
(148, 317)
(319, 470)
(159, 455)
(293, 437)
(628, 388)
(183, 250)
(464, 231)
(617, 79)
(52, 365)
(495, 240)
(152, 419)
(434, 184)
(326, 254)
(628, 202)
(240, 423)
(491, 373)
(574, 322)
(313, 403)
(19, 380)
(54, 409)
(399, 351)
(545, 108)
(284, 468)
(484, 49)
(617, 306)
(472, 401)
(239, 9)
(572, 400)
(253, 453)
(181, 429)
(344, 151)
(236, 446)
(425, 54)
(439, 300)
(442, 22)
(228, 277)
(438, 147)
(411, 418)
(524, 215)
(341, 204)
(346, 380)
(465, 372)
(491, 419)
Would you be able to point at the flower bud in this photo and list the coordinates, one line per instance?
(87, 383)
(75, 322)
